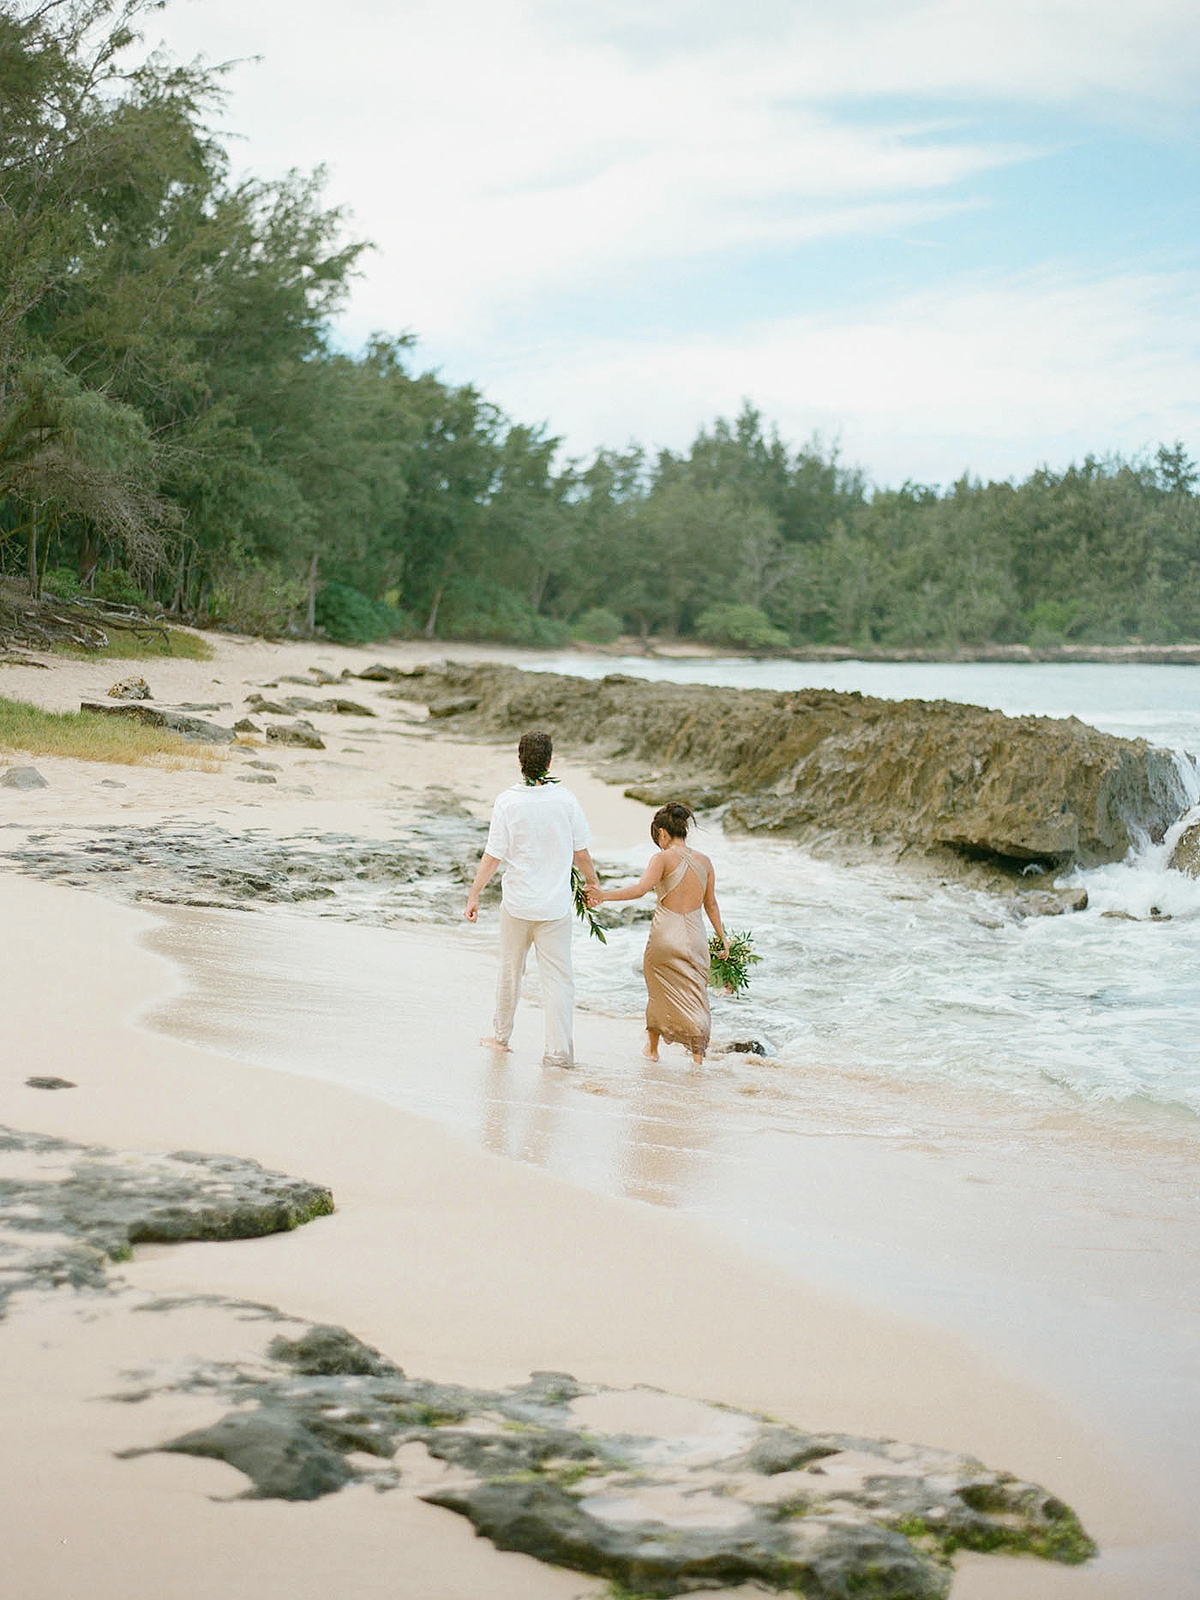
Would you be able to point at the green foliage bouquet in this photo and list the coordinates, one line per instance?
(731, 972)
(582, 909)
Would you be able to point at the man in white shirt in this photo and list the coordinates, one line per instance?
(538, 833)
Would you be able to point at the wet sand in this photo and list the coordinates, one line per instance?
(469, 1251)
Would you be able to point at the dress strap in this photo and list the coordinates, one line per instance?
(688, 862)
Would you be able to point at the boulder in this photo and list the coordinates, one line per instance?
(299, 733)
(23, 778)
(378, 673)
(130, 689)
(348, 708)
(1050, 902)
(1185, 857)
(244, 725)
(188, 727)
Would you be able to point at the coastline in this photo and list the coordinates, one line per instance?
(459, 1264)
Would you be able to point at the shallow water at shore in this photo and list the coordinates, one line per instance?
(1062, 1236)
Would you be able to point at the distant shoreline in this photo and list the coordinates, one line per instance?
(1176, 655)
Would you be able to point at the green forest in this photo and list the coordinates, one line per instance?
(179, 429)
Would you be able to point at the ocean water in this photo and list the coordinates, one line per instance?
(988, 1123)
(916, 982)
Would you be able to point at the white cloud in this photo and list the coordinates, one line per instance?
(488, 158)
(988, 377)
(514, 157)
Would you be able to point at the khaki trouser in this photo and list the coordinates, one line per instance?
(552, 941)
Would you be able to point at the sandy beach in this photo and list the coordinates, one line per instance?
(462, 1264)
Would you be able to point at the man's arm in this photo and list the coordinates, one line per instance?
(583, 861)
(487, 869)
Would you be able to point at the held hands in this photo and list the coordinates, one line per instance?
(595, 894)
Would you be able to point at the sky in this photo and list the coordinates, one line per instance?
(945, 236)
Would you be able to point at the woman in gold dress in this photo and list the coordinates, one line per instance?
(676, 961)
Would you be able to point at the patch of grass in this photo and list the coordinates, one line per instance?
(92, 736)
(177, 644)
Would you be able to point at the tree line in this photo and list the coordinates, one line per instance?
(177, 426)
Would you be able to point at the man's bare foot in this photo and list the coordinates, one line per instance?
(697, 1061)
(494, 1044)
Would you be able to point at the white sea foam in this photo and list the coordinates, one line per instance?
(919, 981)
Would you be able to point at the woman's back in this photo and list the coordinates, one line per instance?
(685, 879)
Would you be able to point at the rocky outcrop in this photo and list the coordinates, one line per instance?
(1185, 857)
(662, 1495)
(919, 778)
(181, 722)
(68, 1209)
(422, 874)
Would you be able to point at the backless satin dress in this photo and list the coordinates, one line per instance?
(675, 967)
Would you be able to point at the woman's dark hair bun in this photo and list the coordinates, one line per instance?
(674, 817)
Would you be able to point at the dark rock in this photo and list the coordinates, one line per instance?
(265, 766)
(348, 708)
(49, 1083)
(282, 1458)
(1185, 857)
(266, 708)
(92, 1205)
(256, 777)
(378, 673)
(745, 1047)
(189, 727)
(542, 1519)
(325, 1351)
(1050, 902)
(130, 689)
(245, 725)
(202, 705)
(111, 783)
(299, 733)
(23, 778)
(786, 1450)
(454, 706)
(689, 1498)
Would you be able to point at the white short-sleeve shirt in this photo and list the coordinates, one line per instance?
(535, 831)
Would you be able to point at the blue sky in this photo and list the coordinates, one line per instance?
(951, 235)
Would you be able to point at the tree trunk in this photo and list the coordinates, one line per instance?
(43, 562)
(33, 552)
(180, 579)
(312, 594)
(437, 600)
